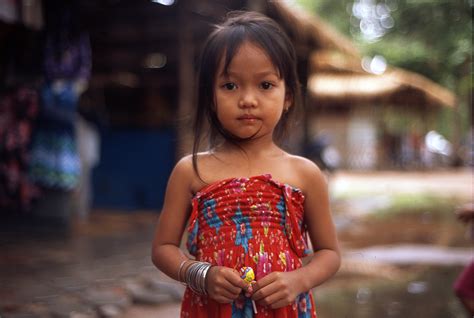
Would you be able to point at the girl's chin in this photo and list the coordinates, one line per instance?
(248, 134)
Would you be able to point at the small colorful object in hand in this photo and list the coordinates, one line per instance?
(247, 274)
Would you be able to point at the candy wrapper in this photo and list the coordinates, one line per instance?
(248, 275)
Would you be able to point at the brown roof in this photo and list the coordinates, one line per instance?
(335, 62)
(309, 30)
(395, 86)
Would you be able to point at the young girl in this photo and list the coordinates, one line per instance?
(249, 203)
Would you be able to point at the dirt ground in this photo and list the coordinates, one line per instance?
(457, 182)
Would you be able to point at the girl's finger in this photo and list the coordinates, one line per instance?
(223, 293)
(223, 285)
(236, 281)
(271, 299)
(268, 279)
(232, 289)
(224, 300)
(265, 291)
(249, 290)
(280, 303)
(220, 277)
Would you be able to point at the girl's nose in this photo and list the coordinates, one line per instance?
(247, 100)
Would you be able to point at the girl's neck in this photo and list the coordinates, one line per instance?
(243, 159)
(255, 147)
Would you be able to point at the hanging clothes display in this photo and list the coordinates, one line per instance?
(18, 111)
(54, 157)
(55, 162)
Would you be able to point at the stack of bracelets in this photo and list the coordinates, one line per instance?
(195, 276)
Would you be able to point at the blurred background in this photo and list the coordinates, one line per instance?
(95, 103)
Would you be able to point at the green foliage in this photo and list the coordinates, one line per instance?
(417, 204)
(334, 12)
(429, 37)
(436, 35)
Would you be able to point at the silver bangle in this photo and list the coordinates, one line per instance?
(180, 269)
(195, 277)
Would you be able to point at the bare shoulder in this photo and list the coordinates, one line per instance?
(183, 174)
(194, 175)
(303, 165)
(309, 175)
(184, 166)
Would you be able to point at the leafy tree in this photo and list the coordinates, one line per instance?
(430, 37)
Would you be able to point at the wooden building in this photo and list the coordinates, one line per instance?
(350, 103)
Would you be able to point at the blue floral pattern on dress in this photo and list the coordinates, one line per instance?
(244, 231)
(209, 212)
(242, 308)
(282, 209)
(192, 238)
(304, 305)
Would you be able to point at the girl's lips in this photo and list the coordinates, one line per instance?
(247, 117)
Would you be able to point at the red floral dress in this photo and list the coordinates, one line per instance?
(255, 222)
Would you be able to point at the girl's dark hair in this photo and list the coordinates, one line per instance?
(241, 26)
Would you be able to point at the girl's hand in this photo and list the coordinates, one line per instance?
(277, 289)
(224, 284)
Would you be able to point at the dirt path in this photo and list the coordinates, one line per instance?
(457, 183)
(412, 254)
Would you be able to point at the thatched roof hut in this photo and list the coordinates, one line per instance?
(339, 79)
(345, 99)
(395, 86)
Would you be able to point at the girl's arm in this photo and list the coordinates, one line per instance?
(280, 289)
(223, 284)
(166, 253)
(326, 259)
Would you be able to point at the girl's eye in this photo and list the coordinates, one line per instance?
(266, 85)
(229, 86)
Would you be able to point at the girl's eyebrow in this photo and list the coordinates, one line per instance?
(260, 74)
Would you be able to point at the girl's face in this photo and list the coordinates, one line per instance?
(250, 98)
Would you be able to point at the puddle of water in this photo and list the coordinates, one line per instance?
(423, 228)
(429, 294)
